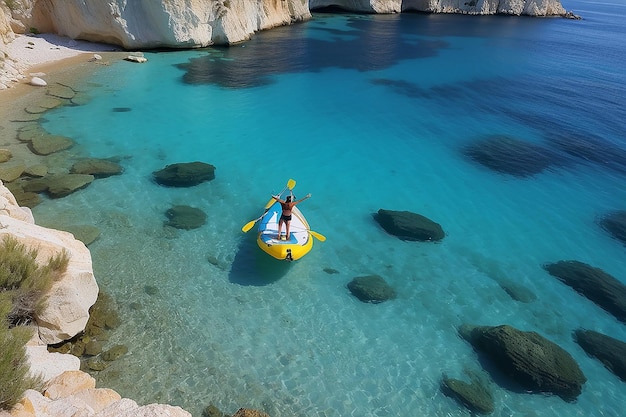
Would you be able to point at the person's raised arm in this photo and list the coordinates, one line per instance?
(303, 198)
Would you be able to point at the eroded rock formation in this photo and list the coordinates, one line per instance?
(71, 297)
(194, 23)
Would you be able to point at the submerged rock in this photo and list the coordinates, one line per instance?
(11, 171)
(99, 168)
(474, 395)
(62, 185)
(86, 233)
(593, 283)
(590, 148)
(48, 144)
(529, 359)
(114, 353)
(611, 352)
(61, 91)
(185, 217)
(185, 174)
(409, 226)
(518, 292)
(371, 289)
(247, 412)
(510, 155)
(615, 224)
(5, 155)
(23, 198)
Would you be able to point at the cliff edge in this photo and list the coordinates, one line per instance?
(146, 24)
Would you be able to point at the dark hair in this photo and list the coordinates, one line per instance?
(288, 199)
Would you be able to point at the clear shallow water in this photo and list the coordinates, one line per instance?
(365, 112)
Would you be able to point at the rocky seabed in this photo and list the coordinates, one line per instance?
(67, 390)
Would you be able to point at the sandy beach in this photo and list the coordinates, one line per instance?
(55, 59)
(51, 57)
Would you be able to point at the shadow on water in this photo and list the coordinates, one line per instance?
(365, 44)
(252, 266)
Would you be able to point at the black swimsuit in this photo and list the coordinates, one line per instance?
(285, 218)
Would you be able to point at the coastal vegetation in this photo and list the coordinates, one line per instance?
(24, 284)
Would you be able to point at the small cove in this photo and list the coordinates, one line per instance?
(362, 131)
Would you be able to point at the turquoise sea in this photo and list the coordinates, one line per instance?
(364, 112)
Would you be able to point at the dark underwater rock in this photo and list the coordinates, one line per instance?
(615, 224)
(518, 292)
(58, 185)
(185, 174)
(185, 217)
(99, 168)
(24, 198)
(86, 233)
(529, 359)
(371, 289)
(249, 412)
(409, 226)
(474, 395)
(115, 353)
(590, 148)
(611, 352)
(509, 155)
(593, 283)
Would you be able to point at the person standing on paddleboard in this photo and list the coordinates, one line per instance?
(287, 205)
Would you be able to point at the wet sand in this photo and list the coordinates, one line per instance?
(71, 71)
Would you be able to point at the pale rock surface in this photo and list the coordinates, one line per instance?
(363, 6)
(73, 393)
(512, 7)
(135, 58)
(49, 365)
(68, 383)
(70, 298)
(152, 24)
(10, 208)
(38, 82)
(129, 408)
(84, 403)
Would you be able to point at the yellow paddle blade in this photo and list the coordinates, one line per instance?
(269, 203)
(318, 236)
(248, 226)
(290, 184)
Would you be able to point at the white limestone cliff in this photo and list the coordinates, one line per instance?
(143, 24)
(361, 6)
(510, 7)
(67, 306)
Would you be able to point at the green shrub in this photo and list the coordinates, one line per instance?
(26, 282)
(14, 368)
(23, 286)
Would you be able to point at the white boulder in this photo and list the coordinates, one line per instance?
(67, 306)
(38, 82)
(49, 365)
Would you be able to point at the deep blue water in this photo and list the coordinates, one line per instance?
(364, 112)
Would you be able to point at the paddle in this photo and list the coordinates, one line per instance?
(290, 185)
(246, 227)
(318, 236)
